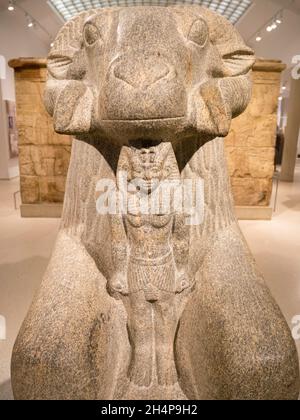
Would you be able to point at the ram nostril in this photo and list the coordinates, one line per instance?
(141, 75)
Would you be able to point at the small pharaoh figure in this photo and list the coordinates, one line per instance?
(150, 253)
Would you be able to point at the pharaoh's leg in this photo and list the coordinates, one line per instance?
(141, 334)
(165, 329)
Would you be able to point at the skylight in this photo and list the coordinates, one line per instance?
(231, 9)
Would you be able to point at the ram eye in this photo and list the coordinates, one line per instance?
(199, 33)
(91, 34)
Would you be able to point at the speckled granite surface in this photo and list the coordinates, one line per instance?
(113, 82)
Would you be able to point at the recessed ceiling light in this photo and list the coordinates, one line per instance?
(279, 18)
(11, 6)
(30, 22)
(231, 9)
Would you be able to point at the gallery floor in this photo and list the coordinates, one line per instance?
(25, 248)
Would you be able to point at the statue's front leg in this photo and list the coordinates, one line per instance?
(61, 350)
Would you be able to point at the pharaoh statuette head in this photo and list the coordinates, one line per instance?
(152, 72)
(148, 166)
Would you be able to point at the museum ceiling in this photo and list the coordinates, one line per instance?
(231, 9)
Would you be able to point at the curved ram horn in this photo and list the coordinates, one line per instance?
(237, 57)
(67, 98)
(228, 93)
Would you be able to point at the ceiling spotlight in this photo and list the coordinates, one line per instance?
(274, 25)
(279, 18)
(258, 38)
(30, 22)
(269, 28)
(52, 44)
(283, 87)
(280, 98)
(11, 6)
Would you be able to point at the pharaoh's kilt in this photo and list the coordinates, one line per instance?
(157, 272)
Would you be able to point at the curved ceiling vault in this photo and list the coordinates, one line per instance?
(231, 9)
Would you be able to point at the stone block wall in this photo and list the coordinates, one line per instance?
(45, 155)
(250, 146)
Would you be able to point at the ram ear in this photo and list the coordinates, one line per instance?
(228, 92)
(67, 97)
